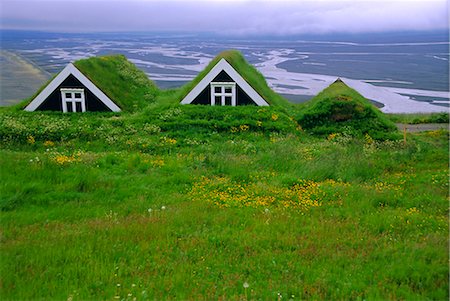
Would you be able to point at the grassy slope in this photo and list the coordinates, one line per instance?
(128, 86)
(339, 108)
(419, 118)
(248, 72)
(346, 218)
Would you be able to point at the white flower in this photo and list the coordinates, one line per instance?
(118, 284)
(266, 210)
(149, 210)
(245, 285)
(163, 207)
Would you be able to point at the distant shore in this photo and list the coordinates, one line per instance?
(19, 78)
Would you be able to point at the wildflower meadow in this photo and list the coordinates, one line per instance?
(189, 203)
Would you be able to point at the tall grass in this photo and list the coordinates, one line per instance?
(85, 219)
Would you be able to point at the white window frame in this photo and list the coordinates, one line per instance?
(73, 101)
(222, 94)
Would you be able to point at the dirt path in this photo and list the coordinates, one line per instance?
(412, 128)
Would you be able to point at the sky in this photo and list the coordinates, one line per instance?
(232, 17)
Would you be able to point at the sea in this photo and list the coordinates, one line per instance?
(401, 72)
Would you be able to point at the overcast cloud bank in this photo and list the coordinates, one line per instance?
(225, 17)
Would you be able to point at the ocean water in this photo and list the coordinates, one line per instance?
(401, 72)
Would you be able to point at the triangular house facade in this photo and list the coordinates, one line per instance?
(72, 91)
(223, 86)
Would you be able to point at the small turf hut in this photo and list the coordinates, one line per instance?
(338, 108)
(106, 83)
(230, 81)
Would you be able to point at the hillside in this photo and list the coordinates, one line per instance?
(338, 109)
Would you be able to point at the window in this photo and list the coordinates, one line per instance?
(217, 101)
(223, 94)
(73, 100)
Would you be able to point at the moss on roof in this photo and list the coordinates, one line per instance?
(125, 84)
(253, 77)
(338, 108)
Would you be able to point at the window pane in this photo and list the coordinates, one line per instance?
(217, 89)
(228, 100)
(69, 107)
(77, 95)
(78, 106)
(227, 89)
(68, 95)
(218, 100)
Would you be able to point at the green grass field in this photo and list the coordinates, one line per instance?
(174, 202)
(147, 212)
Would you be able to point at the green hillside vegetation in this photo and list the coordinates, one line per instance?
(191, 202)
(101, 206)
(339, 109)
(126, 85)
(442, 117)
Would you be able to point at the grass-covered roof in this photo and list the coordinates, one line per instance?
(253, 77)
(124, 83)
(338, 108)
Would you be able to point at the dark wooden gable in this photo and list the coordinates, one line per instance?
(204, 98)
(54, 103)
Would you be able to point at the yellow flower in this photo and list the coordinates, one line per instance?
(157, 162)
(168, 140)
(274, 117)
(412, 211)
(30, 139)
(369, 140)
(244, 127)
(49, 143)
(332, 136)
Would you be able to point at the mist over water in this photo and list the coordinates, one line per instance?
(405, 72)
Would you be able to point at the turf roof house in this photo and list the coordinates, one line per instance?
(72, 91)
(107, 83)
(220, 84)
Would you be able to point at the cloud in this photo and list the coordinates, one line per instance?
(238, 17)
